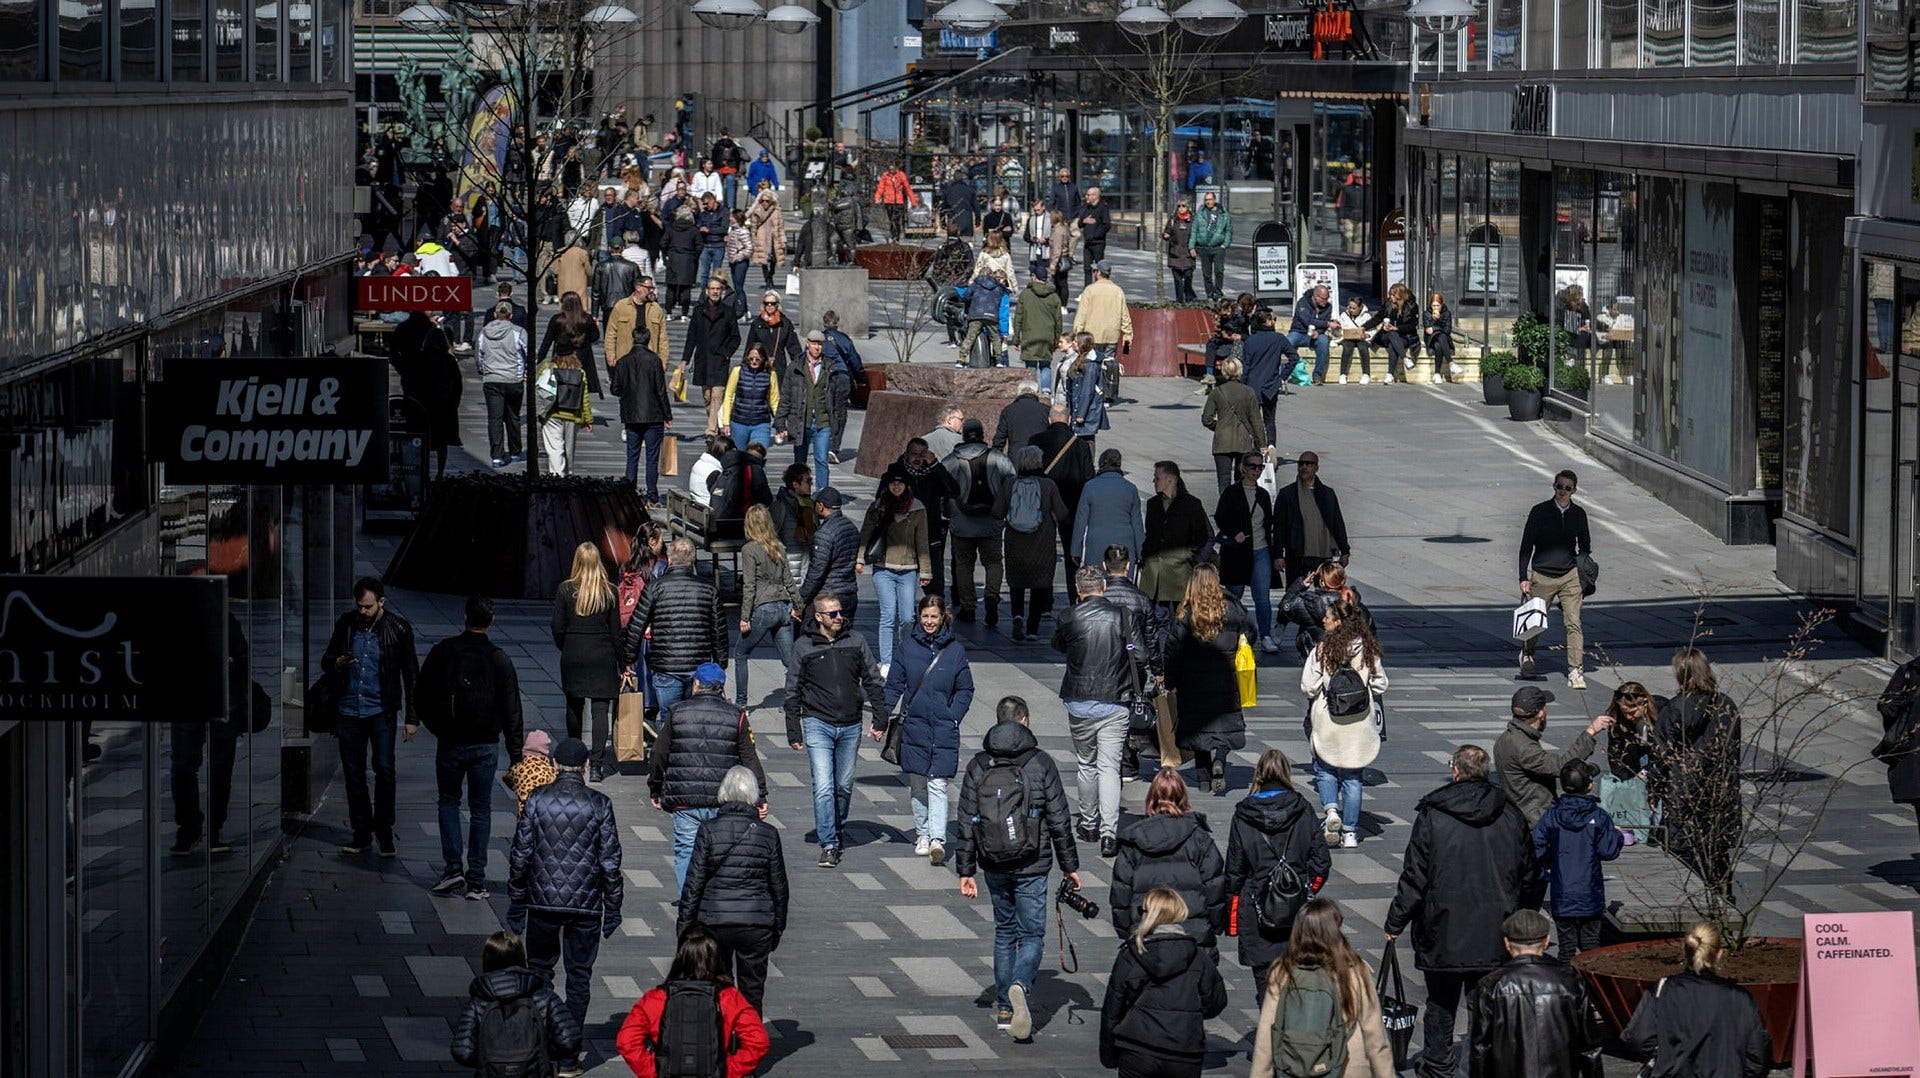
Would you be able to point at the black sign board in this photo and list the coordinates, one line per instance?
(321, 420)
(151, 649)
(399, 499)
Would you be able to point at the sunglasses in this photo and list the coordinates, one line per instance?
(1250, 467)
(1563, 488)
(835, 615)
(769, 303)
(1309, 464)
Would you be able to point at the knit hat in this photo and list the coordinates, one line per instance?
(571, 752)
(539, 743)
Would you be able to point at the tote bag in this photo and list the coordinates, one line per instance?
(629, 723)
(1399, 1016)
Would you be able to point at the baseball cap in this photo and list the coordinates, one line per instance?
(1526, 926)
(815, 335)
(570, 752)
(830, 498)
(1529, 699)
(1103, 266)
(710, 674)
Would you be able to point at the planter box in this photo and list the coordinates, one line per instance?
(1523, 405)
(1158, 333)
(1618, 995)
(1493, 390)
(894, 261)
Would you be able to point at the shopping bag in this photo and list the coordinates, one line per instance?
(1303, 372)
(1530, 619)
(1245, 670)
(890, 744)
(669, 455)
(1270, 479)
(630, 724)
(1166, 716)
(678, 384)
(1399, 1016)
(793, 284)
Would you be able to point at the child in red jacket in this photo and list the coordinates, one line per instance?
(696, 969)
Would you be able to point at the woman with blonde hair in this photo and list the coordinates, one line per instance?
(586, 629)
(1343, 744)
(1085, 392)
(766, 596)
(1319, 959)
(1170, 847)
(994, 259)
(1207, 628)
(1271, 824)
(1162, 991)
(1699, 1024)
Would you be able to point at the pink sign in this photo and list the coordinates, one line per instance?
(1859, 1005)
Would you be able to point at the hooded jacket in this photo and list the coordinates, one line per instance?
(1159, 998)
(941, 693)
(1533, 1018)
(502, 353)
(983, 299)
(566, 851)
(1467, 864)
(1569, 843)
(1700, 1025)
(1106, 651)
(737, 875)
(1267, 826)
(1178, 853)
(827, 679)
(504, 986)
(1005, 741)
(1037, 321)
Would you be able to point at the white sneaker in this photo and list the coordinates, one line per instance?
(1349, 841)
(1365, 379)
(1343, 379)
(1576, 679)
(1437, 380)
(1407, 361)
(922, 846)
(884, 668)
(1332, 826)
(1386, 379)
(1022, 1025)
(1454, 368)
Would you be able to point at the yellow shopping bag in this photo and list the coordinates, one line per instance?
(679, 383)
(1243, 668)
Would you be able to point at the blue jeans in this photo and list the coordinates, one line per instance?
(739, 272)
(474, 764)
(1339, 786)
(831, 751)
(730, 186)
(765, 619)
(1019, 931)
(1320, 347)
(898, 592)
(357, 734)
(820, 441)
(928, 796)
(670, 689)
(649, 437)
(686, 828)
(712, 260)
(1262, 591)
(745, 434)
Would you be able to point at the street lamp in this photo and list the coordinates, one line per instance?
(1211, 18)
(792, 19)
(728, 14)
(609, 15)
(969, 17)
(425, 17)
(844, 5)
(1442, 16)
(1144, 18)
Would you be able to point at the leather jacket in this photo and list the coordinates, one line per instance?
(1106, 652)
(1533, 1018)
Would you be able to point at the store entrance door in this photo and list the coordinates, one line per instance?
(1906, 546)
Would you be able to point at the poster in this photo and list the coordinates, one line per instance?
(1655, 411)
(1706, 317)
(1859, 1010)
(1483, 269)
(1310, 275)
(149, 649)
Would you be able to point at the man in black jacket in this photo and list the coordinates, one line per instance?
(836, 550)
(1096, 220)
(1106, 656)
(646, 412)
(1124, 593)
(1064, 195)
(1070, 466)
(682, 611)
(564, 875)
(831, 670)
(1018, 888)
(932, 486)
(1551, 545)
(1020, 420)
(371, 656)
(1468, 863)
(700, 739)
(848, 370)
(470, 701)
(1533, 1015)
(1308, 526)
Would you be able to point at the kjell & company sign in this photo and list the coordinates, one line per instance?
(320, 420)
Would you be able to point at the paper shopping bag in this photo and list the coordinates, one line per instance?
(1530, 619)
(669, 454)
(1166, 715)
(630, 727)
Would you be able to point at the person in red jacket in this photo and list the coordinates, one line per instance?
(743, 1036)
(896, 194)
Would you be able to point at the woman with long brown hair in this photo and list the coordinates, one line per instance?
(766, 597)
(586, 629)
(1271, 824)
(1170, 847)
(1162, 991)
(1319, 958)
(1207, 628)
(1623, 787)
(1307, 599)
(1343, 745)
(1400, 328)
(1696, 771)
(573, 323)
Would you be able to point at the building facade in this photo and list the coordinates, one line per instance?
(176, 184)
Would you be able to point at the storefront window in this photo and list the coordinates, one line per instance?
(188, 41)
(1573, 36)
(139, 54)
(230, 40)
(1619, 42)
(111, 827)
(1616, 225)
(1343, 204)
(1817, 452)
(1502, 250)
(1576, 237)
(1714, 33)
(1664, 35)
(266, 42)
(1503, 45)
(1539, 56)
(1703, 435)
(20, 38)
(1759, 31)
(299, 42)
(83, 40)
(1824, 32)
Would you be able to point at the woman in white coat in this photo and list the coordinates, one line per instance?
(1343, 745)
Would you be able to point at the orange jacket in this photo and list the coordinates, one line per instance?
(894, 190)
(746, 1036)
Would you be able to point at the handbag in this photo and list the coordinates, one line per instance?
(630, 723)
(793, 284)
(1530, 618)
(1399, 1016)
(323, 705)
(678, 384)
(1246, 671)
(1141, 713)
(897, 722)
(1589, 571)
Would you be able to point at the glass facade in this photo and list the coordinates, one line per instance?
(1890, 451)
(1574, 35)
(1473, 208)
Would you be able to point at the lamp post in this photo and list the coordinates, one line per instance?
(1440, 18)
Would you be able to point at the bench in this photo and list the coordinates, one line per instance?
(1193, 361)
(689, 519)
(373, 333)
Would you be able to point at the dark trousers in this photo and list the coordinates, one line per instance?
(1060, 277)
(1182, 285)
(1226, 470)
(1444, 992)
(896, 220)
(1142, 1065)
(1577, 934)
(602, 721)
(472, 766)
(1033, 603)
(1267, 405)
(192, 742)
(357, 735)
(1397, 349)
(1096, 250)
(937, 550)
(570, 937)
(840, 398)
(1299, 565)
(745, 950)
(646, 436)
(503, 418)
(1347, 348)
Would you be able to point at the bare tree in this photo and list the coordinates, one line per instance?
(913, 316)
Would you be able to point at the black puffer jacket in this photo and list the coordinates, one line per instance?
(688, 629)
(1158, 1003)
(1468, 862)
(836, 549)
(1004, 741)
(1307, 607)
(1178, 853)
(827, 679)
(1698, 1025)
(737, 875)
(779, 340)
(702, 737)
(1264, 825)
(1102, 642)
(505, 986)
(1533, 1018)
(1125, 593)
(566, 850)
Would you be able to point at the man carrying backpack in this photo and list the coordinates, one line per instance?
(469, 696)
(980, 472)
(1533, 1015)
(1013, 826)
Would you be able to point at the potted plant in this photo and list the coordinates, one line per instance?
(1159, 329)
(1523, 382)
(1573, 379)
(1493, 366)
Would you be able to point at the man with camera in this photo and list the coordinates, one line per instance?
(1013, 826)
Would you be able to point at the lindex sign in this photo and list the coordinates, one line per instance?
(413, 293)
(242, 420)
(146, 649)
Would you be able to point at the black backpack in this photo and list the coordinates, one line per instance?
(1281, 893)
(1347, 693)
(692, 1040)
(979, 497)
(1006, 821)
(473, 700)
(569, 390)
(513, 1040)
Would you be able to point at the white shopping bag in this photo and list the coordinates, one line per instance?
(1530, 619)
(793, 284)
(1270, 479)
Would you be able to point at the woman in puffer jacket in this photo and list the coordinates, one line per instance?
(1170, 847)
(737, 883)
(931, 672)
(1272, 823)
(504, 978)
(1307, 599)
(1159, 997)
(1343, 745)
(743, 1035)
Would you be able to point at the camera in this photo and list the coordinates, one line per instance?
(1070, 897)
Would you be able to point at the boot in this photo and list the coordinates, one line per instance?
(993, 611)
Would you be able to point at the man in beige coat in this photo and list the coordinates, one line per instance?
(636, 309)
(572, 268)
(1102, 311)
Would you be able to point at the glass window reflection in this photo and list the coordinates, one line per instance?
(187, 38)
(139, 54)
(20, 41)
(83, 40)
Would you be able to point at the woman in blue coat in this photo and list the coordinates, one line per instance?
(1086, 390)
(931, 673)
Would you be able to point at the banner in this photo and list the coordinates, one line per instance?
(99, 647)
(321, 420)
(413, 293)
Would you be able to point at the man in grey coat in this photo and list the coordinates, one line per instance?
(1529, 774)
(1109, 513)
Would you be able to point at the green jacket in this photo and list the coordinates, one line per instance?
(1212, 228)
(1037, 321)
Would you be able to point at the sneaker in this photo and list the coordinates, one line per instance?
(1455, 369)
(386, 845)
(1343, 379)
(1576, 679)
(1386, 379)
(829, 857)
(1332, 826)
(1526, 666)
(517, 458)
(1349, 841)
(357, 844)
(450, 881)
(832, 457)
(1407, 361)
(476, 889)
(572, 1068)
(1267, 645)
(1022, 1024)
(1085, 831)
(1109, 847)
(498, 462)
(183, 845)
(938, 854)
(922, 846)
(1365, 379)
(1003, 1020)
(218, 845)
(993, 613)
(1319, 379)
(885, 669)
(1019, 629)
(1437, 380)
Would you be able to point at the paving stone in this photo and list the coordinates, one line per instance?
(419, 1040)
(441, 976)
(938, 976)
(932, 923)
